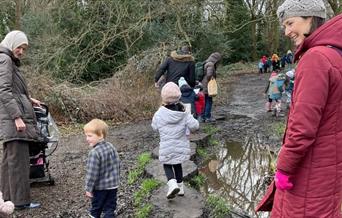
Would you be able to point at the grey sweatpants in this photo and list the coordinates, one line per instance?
(15, 172)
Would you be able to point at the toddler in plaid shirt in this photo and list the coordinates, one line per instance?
(103, 170)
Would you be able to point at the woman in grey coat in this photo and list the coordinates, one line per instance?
(17, 122)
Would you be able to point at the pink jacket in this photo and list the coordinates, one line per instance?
(311, 153)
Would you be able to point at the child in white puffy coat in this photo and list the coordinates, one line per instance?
(172, 122)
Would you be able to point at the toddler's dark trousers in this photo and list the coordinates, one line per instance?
(103, 201)
(174, 171)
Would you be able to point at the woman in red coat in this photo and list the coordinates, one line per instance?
(308, 181)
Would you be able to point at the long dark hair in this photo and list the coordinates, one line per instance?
(315, 24)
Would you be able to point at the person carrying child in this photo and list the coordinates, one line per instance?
(103, 170)
(172, 122)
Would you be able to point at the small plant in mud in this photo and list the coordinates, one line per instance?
(213, 142)
(210, 130)
(197, 181)
(134, 174)
(202, 152)
(219, 207)
(147, 186)
(144, 211)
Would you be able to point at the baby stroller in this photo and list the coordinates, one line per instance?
(44, 147)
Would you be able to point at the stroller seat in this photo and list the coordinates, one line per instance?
(39, 164)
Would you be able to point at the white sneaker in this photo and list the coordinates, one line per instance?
(173, 189)
(181, 189)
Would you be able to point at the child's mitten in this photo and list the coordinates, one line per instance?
(282, 181)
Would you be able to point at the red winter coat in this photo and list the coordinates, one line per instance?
(311, 153)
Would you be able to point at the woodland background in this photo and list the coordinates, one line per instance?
(97, 58)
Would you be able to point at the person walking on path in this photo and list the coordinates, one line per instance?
(103, 170)
(172, 123)
(210, 71)
(18, 124)
(180, 64)
(308, 177)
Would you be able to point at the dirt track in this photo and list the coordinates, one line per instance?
(67, 197)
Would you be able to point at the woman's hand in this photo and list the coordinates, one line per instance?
(89, 194)
(19, 123)
(35, 102)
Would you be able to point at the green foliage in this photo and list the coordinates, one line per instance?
(202, 152)
(210, 130)
(139, 197)
(144, 211)
(144, 159)
(197, 181)
(238, 15)
(134, 174)
(218, 206)
(147, 186)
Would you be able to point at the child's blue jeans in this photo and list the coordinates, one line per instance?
(207, 107)
(103, 201)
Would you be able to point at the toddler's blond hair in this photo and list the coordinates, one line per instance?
(97, 126)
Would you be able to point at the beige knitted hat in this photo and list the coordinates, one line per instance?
(298, 8)
(170, 93)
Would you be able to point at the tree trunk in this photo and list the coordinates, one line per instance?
(17, 14)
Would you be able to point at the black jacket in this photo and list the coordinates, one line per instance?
(177, 66)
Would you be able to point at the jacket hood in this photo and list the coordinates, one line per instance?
(170, 116)
(329, 33)
(9, 53)
(181, 57)
(214, 58)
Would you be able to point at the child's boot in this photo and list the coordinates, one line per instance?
(173, 189)
(181, 189)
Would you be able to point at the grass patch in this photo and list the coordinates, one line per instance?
(139, 197)
(144, 211)
(210, 130)
(213, 142)
(134, 174)
(197, 181)
(219, 207)
(202, 152)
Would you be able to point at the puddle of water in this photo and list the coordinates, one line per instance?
(238, 174)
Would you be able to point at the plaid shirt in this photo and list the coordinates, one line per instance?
(103, 167)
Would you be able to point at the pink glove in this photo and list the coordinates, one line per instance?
(282, 181)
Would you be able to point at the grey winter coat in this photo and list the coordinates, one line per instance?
(172, 126)
(210, 69)
(14, 100)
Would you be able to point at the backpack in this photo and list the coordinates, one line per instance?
(199, 70)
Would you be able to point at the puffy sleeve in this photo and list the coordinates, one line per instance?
(6, 84)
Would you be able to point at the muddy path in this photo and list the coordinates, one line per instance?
(245, 119)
